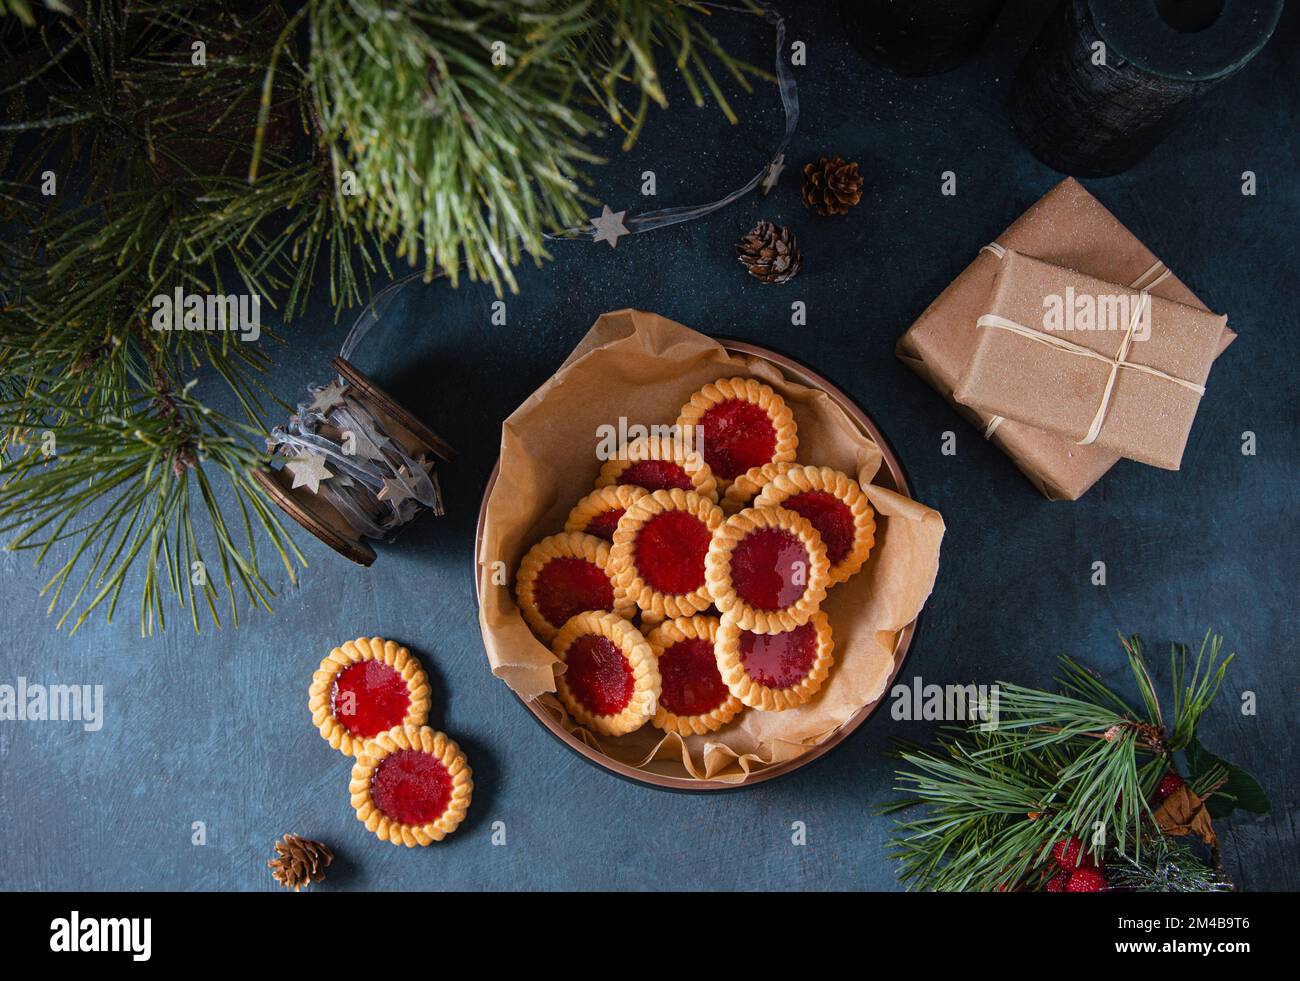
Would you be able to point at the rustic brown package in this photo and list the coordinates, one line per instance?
(1067, 227)
(1090, 360)
(643, 367)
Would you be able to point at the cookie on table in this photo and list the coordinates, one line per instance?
(366, 687)
(411, 786)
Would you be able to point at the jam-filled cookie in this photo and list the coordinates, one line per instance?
(610, 682)
(567, 574)
(767, 569)
(747, 486)
(364, 688)
(660, 463)
(659, 550)
(694, 698)
(411, 786)
(837, 507)
(745, 424)
(598, 513)
(774, 672)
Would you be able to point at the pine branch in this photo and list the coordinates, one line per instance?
(1081, 764)
(453, 166)
(18, 8)
(457, 118)
(1167, 866)
(138, 161)
(118, 488)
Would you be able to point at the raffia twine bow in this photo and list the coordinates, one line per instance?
(1157, 273)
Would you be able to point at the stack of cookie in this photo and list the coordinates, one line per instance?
(411, 785)
(687, 587)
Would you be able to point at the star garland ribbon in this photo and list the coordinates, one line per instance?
(340, 452)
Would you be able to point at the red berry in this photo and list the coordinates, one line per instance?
(1169, 783)
(1068, 854)
(1086, 880)
(1058, 882)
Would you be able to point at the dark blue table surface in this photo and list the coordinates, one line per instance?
(214, 728)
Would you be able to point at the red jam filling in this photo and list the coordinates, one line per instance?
(411, 787)
(369, 697)
(691, 683)
(779, 660)
(670, 550)
(737, 435)
(598, 674)
(657, 475)
(566, 586)
(603, 525)
(769, 568)
(830, 516)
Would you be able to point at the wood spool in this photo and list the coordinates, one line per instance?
(315, 513)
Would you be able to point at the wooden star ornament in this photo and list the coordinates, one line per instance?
(395, 490)
(329, 396)
(308, 471)
(609, 226)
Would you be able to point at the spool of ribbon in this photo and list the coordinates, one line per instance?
(357, 466)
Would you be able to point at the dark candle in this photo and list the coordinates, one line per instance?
(918, 37)
(1107, 80)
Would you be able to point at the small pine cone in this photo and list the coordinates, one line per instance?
(770, 253)
(299, 862)
(831, 186)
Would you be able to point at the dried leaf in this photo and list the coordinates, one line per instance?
(1183, 813)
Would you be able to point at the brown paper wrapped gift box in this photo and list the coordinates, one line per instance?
(1091, 361)
(1067, 227)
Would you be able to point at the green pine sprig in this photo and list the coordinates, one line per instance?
(229, 147)
(1080, 762)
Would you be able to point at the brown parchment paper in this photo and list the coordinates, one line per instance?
(1146, 418)
(644, 367)
(1068, 227)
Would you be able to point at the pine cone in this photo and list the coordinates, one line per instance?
(831, 186)
(770, 253)
(299, 862)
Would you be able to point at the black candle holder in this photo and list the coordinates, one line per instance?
(1107, 80)
(918, 37)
